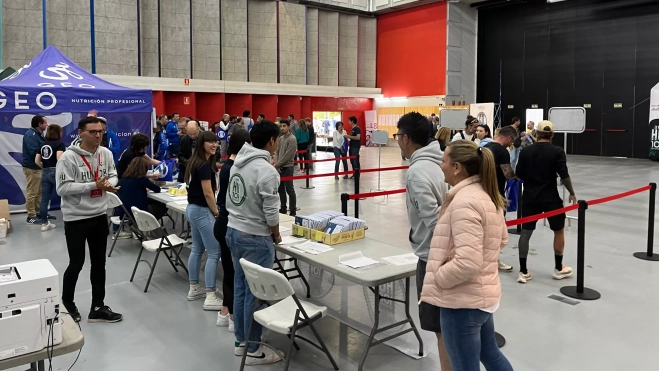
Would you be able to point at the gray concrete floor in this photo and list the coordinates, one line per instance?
(163, 331)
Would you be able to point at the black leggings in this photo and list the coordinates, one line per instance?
(220, 232)
(303, 156)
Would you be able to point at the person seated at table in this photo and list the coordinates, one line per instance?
(253, 205)
(225, 316)
(462, 275)
(138, 145)
(132, 191)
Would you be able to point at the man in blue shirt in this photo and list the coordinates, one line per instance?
(172, 134)
(32, 142)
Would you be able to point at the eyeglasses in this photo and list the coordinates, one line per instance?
(398, 135)
(95, 132)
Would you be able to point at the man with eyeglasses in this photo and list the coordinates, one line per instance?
(109, 140)
(84, 175)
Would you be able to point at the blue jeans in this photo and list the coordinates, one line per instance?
(201, 224)
(469, 338)
(47, 188)
(256, 249)
(337, 154)
(354, 162)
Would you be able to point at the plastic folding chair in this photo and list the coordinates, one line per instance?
(113, 202)
(287, 316)
(146, 222)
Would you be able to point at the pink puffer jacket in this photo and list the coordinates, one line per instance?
(462, 269)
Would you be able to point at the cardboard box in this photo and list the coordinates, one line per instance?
(326, 238)
(4, 213)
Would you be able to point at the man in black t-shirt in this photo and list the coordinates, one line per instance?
(499, 147)
(138, 145)
(538, 166)
(355, 138)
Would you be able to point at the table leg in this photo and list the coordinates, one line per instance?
(374, 330)
(33, 367)
(41, 366)
(407, 314)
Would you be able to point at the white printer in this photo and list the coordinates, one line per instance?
(29, 303)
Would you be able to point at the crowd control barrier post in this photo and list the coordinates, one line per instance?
(649, 254)
(357, 190)
(307, 181)
(344, 203)
(579, 291)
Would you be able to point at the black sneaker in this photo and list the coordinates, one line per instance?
(282, 211)
(104, 314)
(34, 220)
(73, 311)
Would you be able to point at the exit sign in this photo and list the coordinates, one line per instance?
(534, 106)
(510, 106)
(617, 105)
(587, 105)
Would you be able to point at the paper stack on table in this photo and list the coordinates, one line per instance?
(290, 240)
(310, 247)
(404, 259)
(356, 260)
(344, 224)
(317, 220)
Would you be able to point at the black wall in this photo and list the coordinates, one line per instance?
(574, 53)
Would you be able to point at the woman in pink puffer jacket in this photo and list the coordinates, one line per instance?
(462, 273)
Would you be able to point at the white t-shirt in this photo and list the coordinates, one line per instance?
(337, 139)
(471, 137)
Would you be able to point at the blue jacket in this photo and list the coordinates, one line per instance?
(32, 142)
(113, 145)
(163, 144)
(171, 131)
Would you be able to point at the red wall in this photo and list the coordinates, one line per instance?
(289, 104)
(347, 106)
(305, 107)
(210, 107)
(159, 102)
(411, 51)
(265, 104)
(175, 102)
(235, 104)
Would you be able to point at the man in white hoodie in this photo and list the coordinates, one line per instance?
(426, 190)
(84, 174)
(253, 229)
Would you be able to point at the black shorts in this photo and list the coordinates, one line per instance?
(428, 313)
(556, 222)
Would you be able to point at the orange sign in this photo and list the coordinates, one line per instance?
(186, 100)
(186, 82)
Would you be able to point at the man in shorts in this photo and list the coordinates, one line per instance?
(538, 166)
(426, 189)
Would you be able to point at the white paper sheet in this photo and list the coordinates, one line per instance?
(356, 260)
(314, 248)
(180, 198)
(404, 259)
(290, 240)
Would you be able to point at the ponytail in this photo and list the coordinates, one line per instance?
(478, 161)
(489, 177)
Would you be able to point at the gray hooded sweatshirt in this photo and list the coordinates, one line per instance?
(426, 190)
(253, 197)
(75, 182)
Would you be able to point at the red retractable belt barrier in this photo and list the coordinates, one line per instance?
(383, 169)
(299, 177)
(618, 196)
(324, 160)
(376, 194)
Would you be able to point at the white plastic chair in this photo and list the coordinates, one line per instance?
(113, 202)
(287, 316)
(146, 222)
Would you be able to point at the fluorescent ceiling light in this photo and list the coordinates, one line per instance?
(554, 1)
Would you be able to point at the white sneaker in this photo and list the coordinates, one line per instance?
(505, 267)
(222, 321)
(524, 277)
(239, 348)
(196, 292)
(563, 273)
(212, 302)
(263, 355)
(122, 236)
(47, 227)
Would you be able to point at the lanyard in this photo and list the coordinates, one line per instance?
(90, 167)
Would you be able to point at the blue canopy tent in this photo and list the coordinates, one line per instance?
(53, 86)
